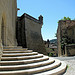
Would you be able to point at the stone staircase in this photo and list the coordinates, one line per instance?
(21, 61)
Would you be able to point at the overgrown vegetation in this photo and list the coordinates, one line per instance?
(65, 18)
(49, 49)
(50, 54)
(67, 66)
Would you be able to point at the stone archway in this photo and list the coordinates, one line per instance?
(3, 31)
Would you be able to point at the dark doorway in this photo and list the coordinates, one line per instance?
(2, 32)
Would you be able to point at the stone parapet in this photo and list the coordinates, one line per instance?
(31, 18)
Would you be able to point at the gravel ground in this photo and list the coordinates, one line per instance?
(70, 61)
(71, 67)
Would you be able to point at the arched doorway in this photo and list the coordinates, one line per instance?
(2, 32)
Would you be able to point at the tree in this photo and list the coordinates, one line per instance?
(55, 34)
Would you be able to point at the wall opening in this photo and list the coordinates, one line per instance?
(20, 33)
(2, 32)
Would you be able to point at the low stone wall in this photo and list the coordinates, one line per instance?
(70, 50)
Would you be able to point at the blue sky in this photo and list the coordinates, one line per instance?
(51, 10)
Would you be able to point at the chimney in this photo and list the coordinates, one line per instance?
(41, 19)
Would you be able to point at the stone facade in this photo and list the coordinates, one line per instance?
(29, 33)
(66, 30)
(29, 28)
(8, 15)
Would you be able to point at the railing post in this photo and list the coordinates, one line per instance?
(66, 50)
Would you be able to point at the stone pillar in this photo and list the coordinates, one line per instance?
(59, 40)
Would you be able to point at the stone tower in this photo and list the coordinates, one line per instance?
(29, 33)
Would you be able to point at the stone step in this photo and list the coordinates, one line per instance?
(20, 51)
(27, 66)
(21, 61)
(12, 47)
(15, 49)
(24, 61)
(57, 71)
(21, 57)
(33, 70)
(19, 54)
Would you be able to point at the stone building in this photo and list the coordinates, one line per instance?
(8, 15)
(66, 37)
(28, 31)
(16, 60)
(30, 35)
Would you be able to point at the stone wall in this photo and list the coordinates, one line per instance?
(32, 33)
(8, 13)
(65, 28)
(20, 33)
(71, 49)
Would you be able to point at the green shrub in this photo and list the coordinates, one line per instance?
(67, 66)
(51, 54)
(65, 18)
